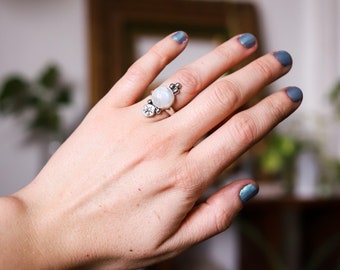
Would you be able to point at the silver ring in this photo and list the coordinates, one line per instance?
(162, 99)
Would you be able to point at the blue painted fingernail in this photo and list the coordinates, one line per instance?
(284, 58)
(247, 40)
(248, 192)
(180, 37)
(294, 93)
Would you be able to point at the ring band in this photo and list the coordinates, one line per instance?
(162, 99)
(170, 111)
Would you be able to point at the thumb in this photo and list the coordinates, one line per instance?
(215, 215)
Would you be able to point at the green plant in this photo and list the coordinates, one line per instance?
(277, 158)
(334, 97)
(332, 173)
(39, 100)
(279, 154)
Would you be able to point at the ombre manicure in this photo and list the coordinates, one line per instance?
(284, 58)
(180, 37)
(294, 93)
(248, 192)
(247, 40)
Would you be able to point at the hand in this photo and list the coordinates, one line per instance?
(121, 192)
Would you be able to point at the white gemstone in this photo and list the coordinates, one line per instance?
(149, 110)
(162, 97)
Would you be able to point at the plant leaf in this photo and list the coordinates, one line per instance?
(49, 77)
(14, 94)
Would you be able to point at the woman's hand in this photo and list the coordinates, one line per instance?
(121, 192)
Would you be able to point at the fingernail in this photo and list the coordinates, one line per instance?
(248, 192)
(180, 37)
(284, 58)
(294, 93)
(247, 40)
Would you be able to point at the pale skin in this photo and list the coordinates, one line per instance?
(121, 192)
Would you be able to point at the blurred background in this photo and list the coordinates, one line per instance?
(49, 65)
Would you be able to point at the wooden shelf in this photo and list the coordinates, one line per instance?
(290, 233)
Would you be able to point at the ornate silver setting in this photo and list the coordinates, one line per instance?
(162, 99)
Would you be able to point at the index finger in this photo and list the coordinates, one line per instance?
(138, 77)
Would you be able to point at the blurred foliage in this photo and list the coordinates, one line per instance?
(40, 100)
(276, 157)
(279, 153)
(275, 160)
(334, 97)
(333, 165)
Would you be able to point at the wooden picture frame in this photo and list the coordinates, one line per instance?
(114, 23)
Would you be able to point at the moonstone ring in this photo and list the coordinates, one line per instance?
(162, 99)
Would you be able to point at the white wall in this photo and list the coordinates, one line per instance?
(309, 30)
(32, 34)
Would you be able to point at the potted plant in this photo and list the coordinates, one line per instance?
(37, 102)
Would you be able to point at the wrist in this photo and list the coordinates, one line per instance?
(16, 236)
(54, 238)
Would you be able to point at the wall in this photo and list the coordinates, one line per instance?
(309, 30)
(34, 33)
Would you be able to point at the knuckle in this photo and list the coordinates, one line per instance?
(224, 53)
(188, 185)
(245, 129)
(226, 93)
(157, 52)
(222, 222)
(190, 79)
(264, 69)
(155, 56)
(188, 180)
(275, 109)
(136, 72)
